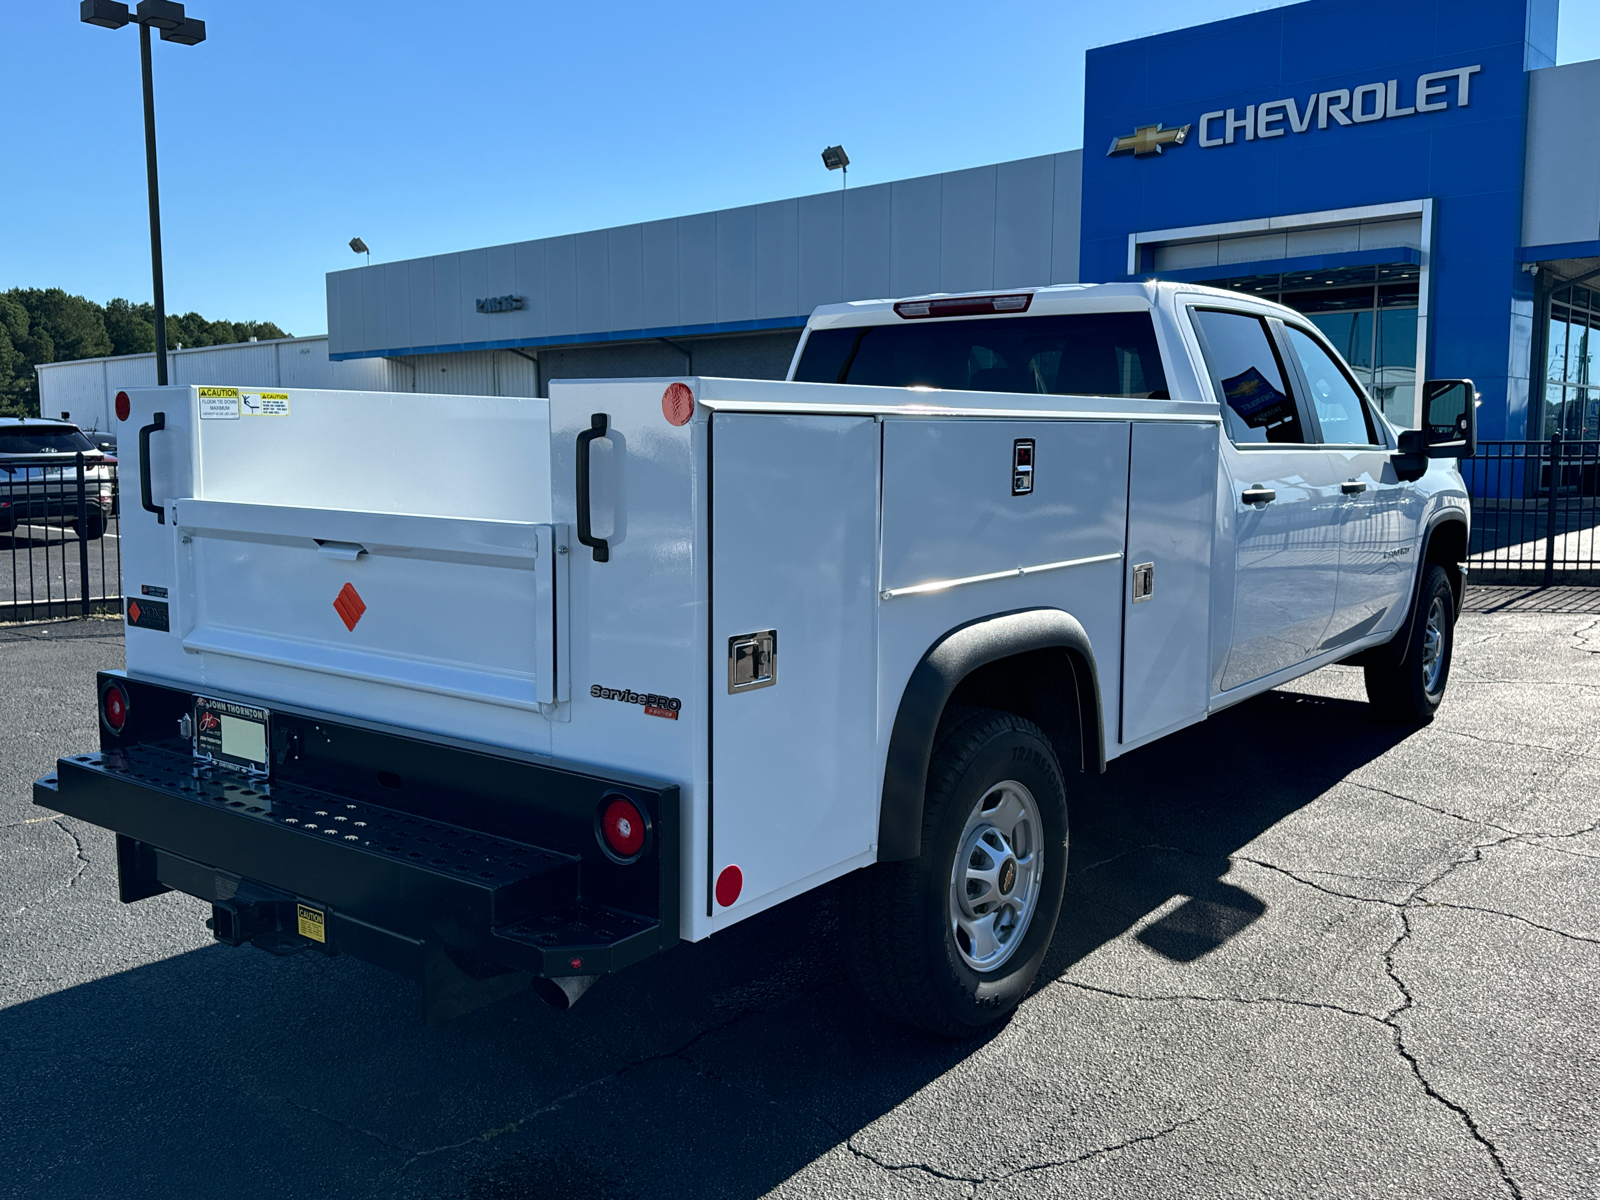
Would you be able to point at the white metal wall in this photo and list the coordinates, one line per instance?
(1010, 224)
(84, 389)
(1561, 175)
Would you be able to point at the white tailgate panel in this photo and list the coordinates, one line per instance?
(1171, 517)
(451, 607)
(794, 545)
(435, 509)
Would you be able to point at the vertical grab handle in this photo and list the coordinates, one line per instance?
(158, 422)
(598, 424)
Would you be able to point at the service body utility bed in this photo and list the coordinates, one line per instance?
(393, 660)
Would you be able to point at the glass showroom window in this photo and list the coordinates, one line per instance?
(1370, 316)
(1571, 394)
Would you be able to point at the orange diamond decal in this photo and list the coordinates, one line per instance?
(349, 605)
(133, 612)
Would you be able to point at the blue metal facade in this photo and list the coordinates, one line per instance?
(1468, 159)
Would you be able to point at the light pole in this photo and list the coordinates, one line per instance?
(166, 16)
(835, 159)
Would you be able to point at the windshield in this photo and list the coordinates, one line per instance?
(1073, 354)
(44, 440)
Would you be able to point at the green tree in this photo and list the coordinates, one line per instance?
(45, 325)
(132, 327)
(14, 368)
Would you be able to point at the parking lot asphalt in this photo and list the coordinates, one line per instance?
(1303, 954)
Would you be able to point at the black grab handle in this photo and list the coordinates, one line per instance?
(158, 422)
(597, 429)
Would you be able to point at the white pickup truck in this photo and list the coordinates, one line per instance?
(497, 691)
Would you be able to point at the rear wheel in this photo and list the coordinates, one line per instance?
(94, 528)
(952, 940)
(1411, 690)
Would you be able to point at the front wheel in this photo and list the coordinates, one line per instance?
(952, 940)
(1411, 690)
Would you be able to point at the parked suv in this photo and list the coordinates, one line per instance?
(39, 476)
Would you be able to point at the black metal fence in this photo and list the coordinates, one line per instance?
(60, 537)
(1535, 512)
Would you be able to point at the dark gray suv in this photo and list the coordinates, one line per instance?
(39, 476)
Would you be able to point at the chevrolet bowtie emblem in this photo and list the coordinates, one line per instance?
(1148, 139)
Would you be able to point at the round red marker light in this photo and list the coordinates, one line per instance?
(729, 884)
(123, 407)
(114, 708)
(622, 829)
(677, 404)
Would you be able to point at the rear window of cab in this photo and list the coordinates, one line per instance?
(1067, 354)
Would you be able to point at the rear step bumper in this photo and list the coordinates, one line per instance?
(470, 914)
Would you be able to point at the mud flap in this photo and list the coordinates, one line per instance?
(449, 991)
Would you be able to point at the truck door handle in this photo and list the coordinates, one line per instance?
(1258, 495)
(598, 424)
(158, 422)
(1352, 487)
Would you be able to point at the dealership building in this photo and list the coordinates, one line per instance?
(1419, 179)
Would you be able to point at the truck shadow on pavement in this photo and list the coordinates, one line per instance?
(716, 1069)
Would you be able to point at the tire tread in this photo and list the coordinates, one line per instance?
(888, 957)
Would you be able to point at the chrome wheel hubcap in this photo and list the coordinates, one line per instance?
(1433, 635)
(998, 872)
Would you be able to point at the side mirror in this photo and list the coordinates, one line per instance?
(1450, 418)
(1411, 463)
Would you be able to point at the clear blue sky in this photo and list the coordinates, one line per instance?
(441, 126)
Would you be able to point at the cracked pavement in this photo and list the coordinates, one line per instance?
(1302, 954)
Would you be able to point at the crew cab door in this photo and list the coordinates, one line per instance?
(1286, 505)
(1378, 530)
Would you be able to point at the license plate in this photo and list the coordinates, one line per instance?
(231, 735)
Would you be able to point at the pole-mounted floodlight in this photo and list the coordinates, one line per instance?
(169, 20)
(834, 158)
(360, 247)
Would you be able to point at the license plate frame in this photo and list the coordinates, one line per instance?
(235, 736)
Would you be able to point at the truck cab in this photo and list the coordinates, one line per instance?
(715, 643)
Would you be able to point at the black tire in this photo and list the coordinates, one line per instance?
(1411, 690)
(899, 923)
(96, 526)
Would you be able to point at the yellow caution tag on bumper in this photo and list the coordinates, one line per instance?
(313, 923)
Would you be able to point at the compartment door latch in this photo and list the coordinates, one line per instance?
(752, 661)
(1144, 581)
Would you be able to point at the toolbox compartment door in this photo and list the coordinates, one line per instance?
(446, 605)
(794, 555)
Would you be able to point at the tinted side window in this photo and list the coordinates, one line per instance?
(44, 441)
(1076, 354)
(1257, 403)
(1343, 417)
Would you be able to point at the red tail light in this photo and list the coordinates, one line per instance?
(123, 407)
(622, 828)
(114, 707)
(964, 306)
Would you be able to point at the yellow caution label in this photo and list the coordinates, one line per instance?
(313, 923)
(265, 404)
(219, 393)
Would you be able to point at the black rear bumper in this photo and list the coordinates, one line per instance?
(515, 885)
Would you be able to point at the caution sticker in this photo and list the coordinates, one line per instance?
(219, 404)
(313, 923)
(265, 404)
